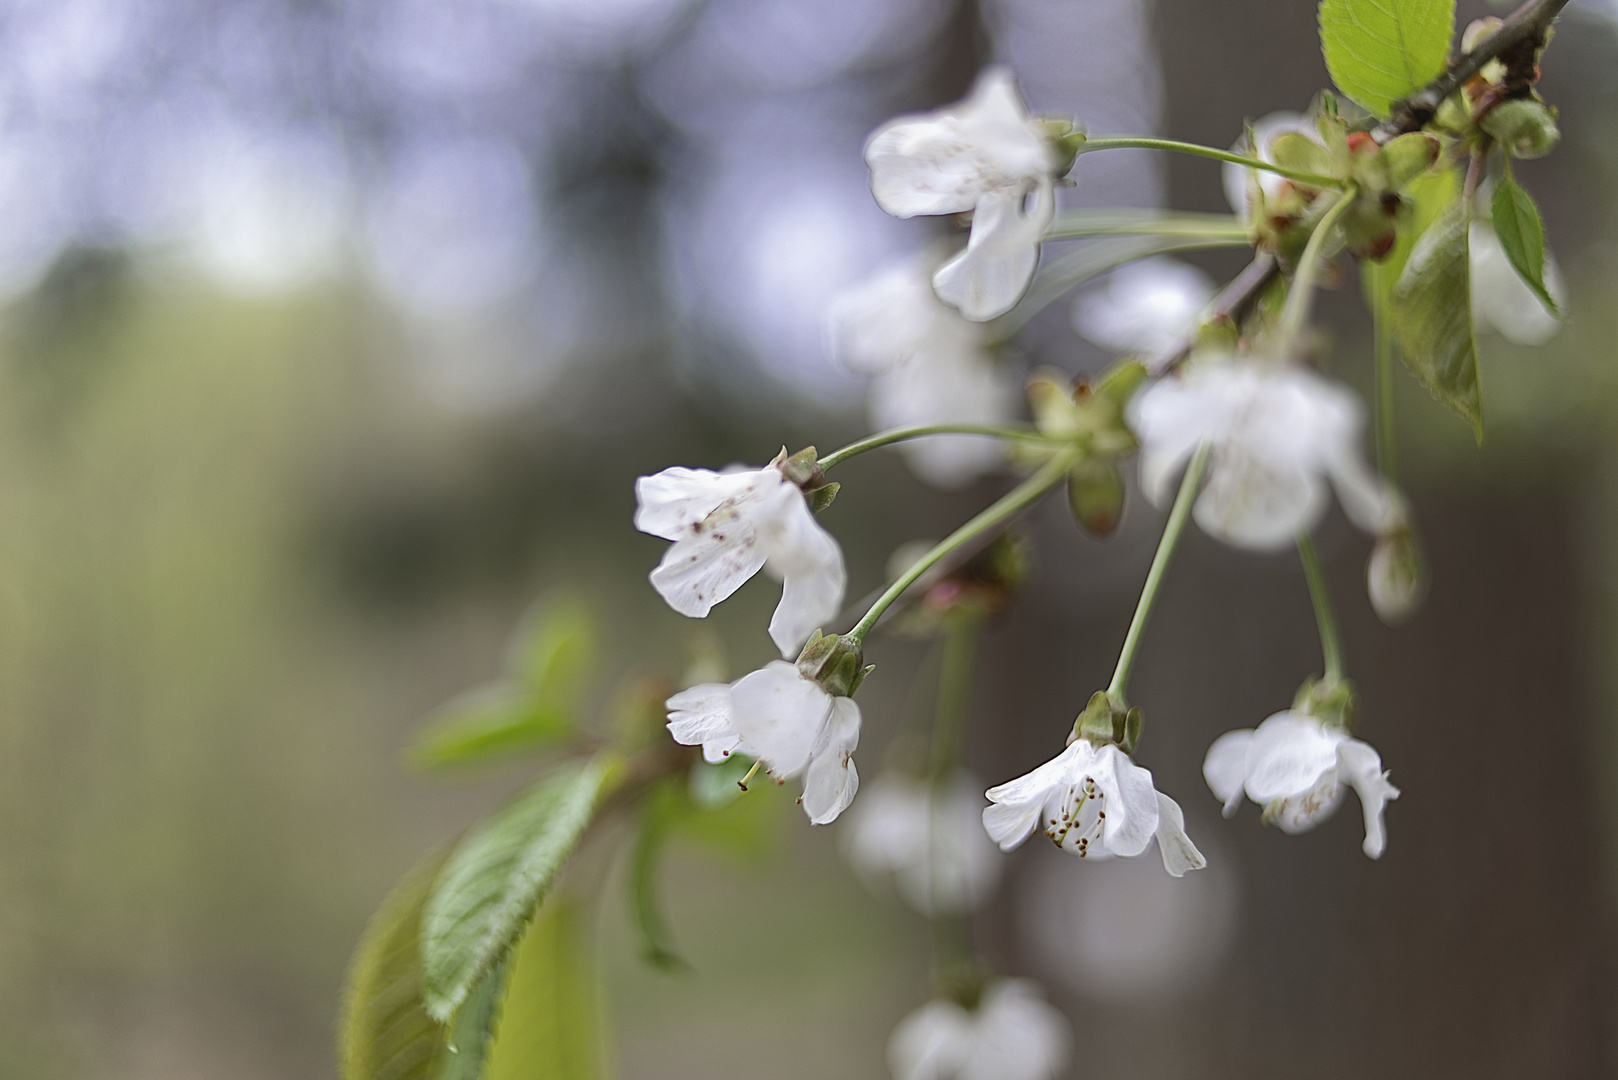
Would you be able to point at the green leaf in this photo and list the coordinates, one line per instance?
(1430, 195)
(498, 874)
(658, 813)
(1379, 51)
(556, 648)
(551, 1024)
(490, 722)
(1522, 234)
(471, 1031)
(385, 1032)
(1431, 309)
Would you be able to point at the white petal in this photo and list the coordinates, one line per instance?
(1368, 500)
(700, 716)
(1171, 420)
(991, 275)
(780, 715)
(889, 318)
(1288, 755)
(808, 561)
(1179, 853)
(1258, 504)
(943, 162)
(954, 867)
(1131, 802)
(929, 1043)
(701, 570)
(1237, 178)
(1361, 767)
(1145, 306)
(888, 830)
(1225, 767)
(1016, 804)
(671, 503)
(1015, 1035)
(951, 383)
(831, 779)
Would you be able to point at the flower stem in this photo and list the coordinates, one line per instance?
(1008, 506)
(1382, 329)
(1301, 294)
(1134, 143)
(1076, 223)
(954, 696)
(1331, 644)
(1160, 565)
(886, 438)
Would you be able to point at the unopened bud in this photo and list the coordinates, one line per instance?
(1095, 492)
(1396, 577)
(1409, 156)
(1478, 31)
(1526, 128)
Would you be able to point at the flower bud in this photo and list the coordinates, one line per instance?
(1396, 577)
(1525, 127)
(1478, 31)
(1410, 155)
(1095, 493)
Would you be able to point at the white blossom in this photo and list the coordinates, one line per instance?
(1239, 179)
(1276, 433)
(1093, 802)
(1295, 767)
(932, 844)
(726, 527)
(1013, 1034)
(786, 722)
(1502, 301)
(1144, 306)
(931, 366)
(982, 155)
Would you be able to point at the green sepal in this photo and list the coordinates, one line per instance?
(1095, 494)
(1133, 721)
(822, 496)
(1330, 702)
(835, 662)
(1119, 382)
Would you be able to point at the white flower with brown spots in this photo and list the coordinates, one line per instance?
(983, 155)
(1296, 766)
(728, 526)
(1093, 802)
(787, 722)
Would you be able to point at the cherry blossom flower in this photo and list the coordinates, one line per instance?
(1296, 766)
(1145, 306)
(1276, 433)
(1013, 1034)
(931, 366)
(931, 843)
(1093, 802)
(785, 721)
(726, 527)
(982, 155)
(1502, 301)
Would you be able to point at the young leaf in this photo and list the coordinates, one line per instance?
(489, 722)
(658, 812)
(556, 648)
(385, 1032)
(498, 874)
(1522, 234)
(1379, 51)
(1431, 309)
(550, 1027)
(472, 1029)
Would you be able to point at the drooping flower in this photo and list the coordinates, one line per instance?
(1296, 766)
(1144, 307)
(1502, 301)
(726, 527)
(982, 155)
(1277, 433)
(931, 843)
(787, 722)
(1093, 802)
(1013, 1034)
(931, 366)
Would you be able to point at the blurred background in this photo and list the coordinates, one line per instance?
(336, 331)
